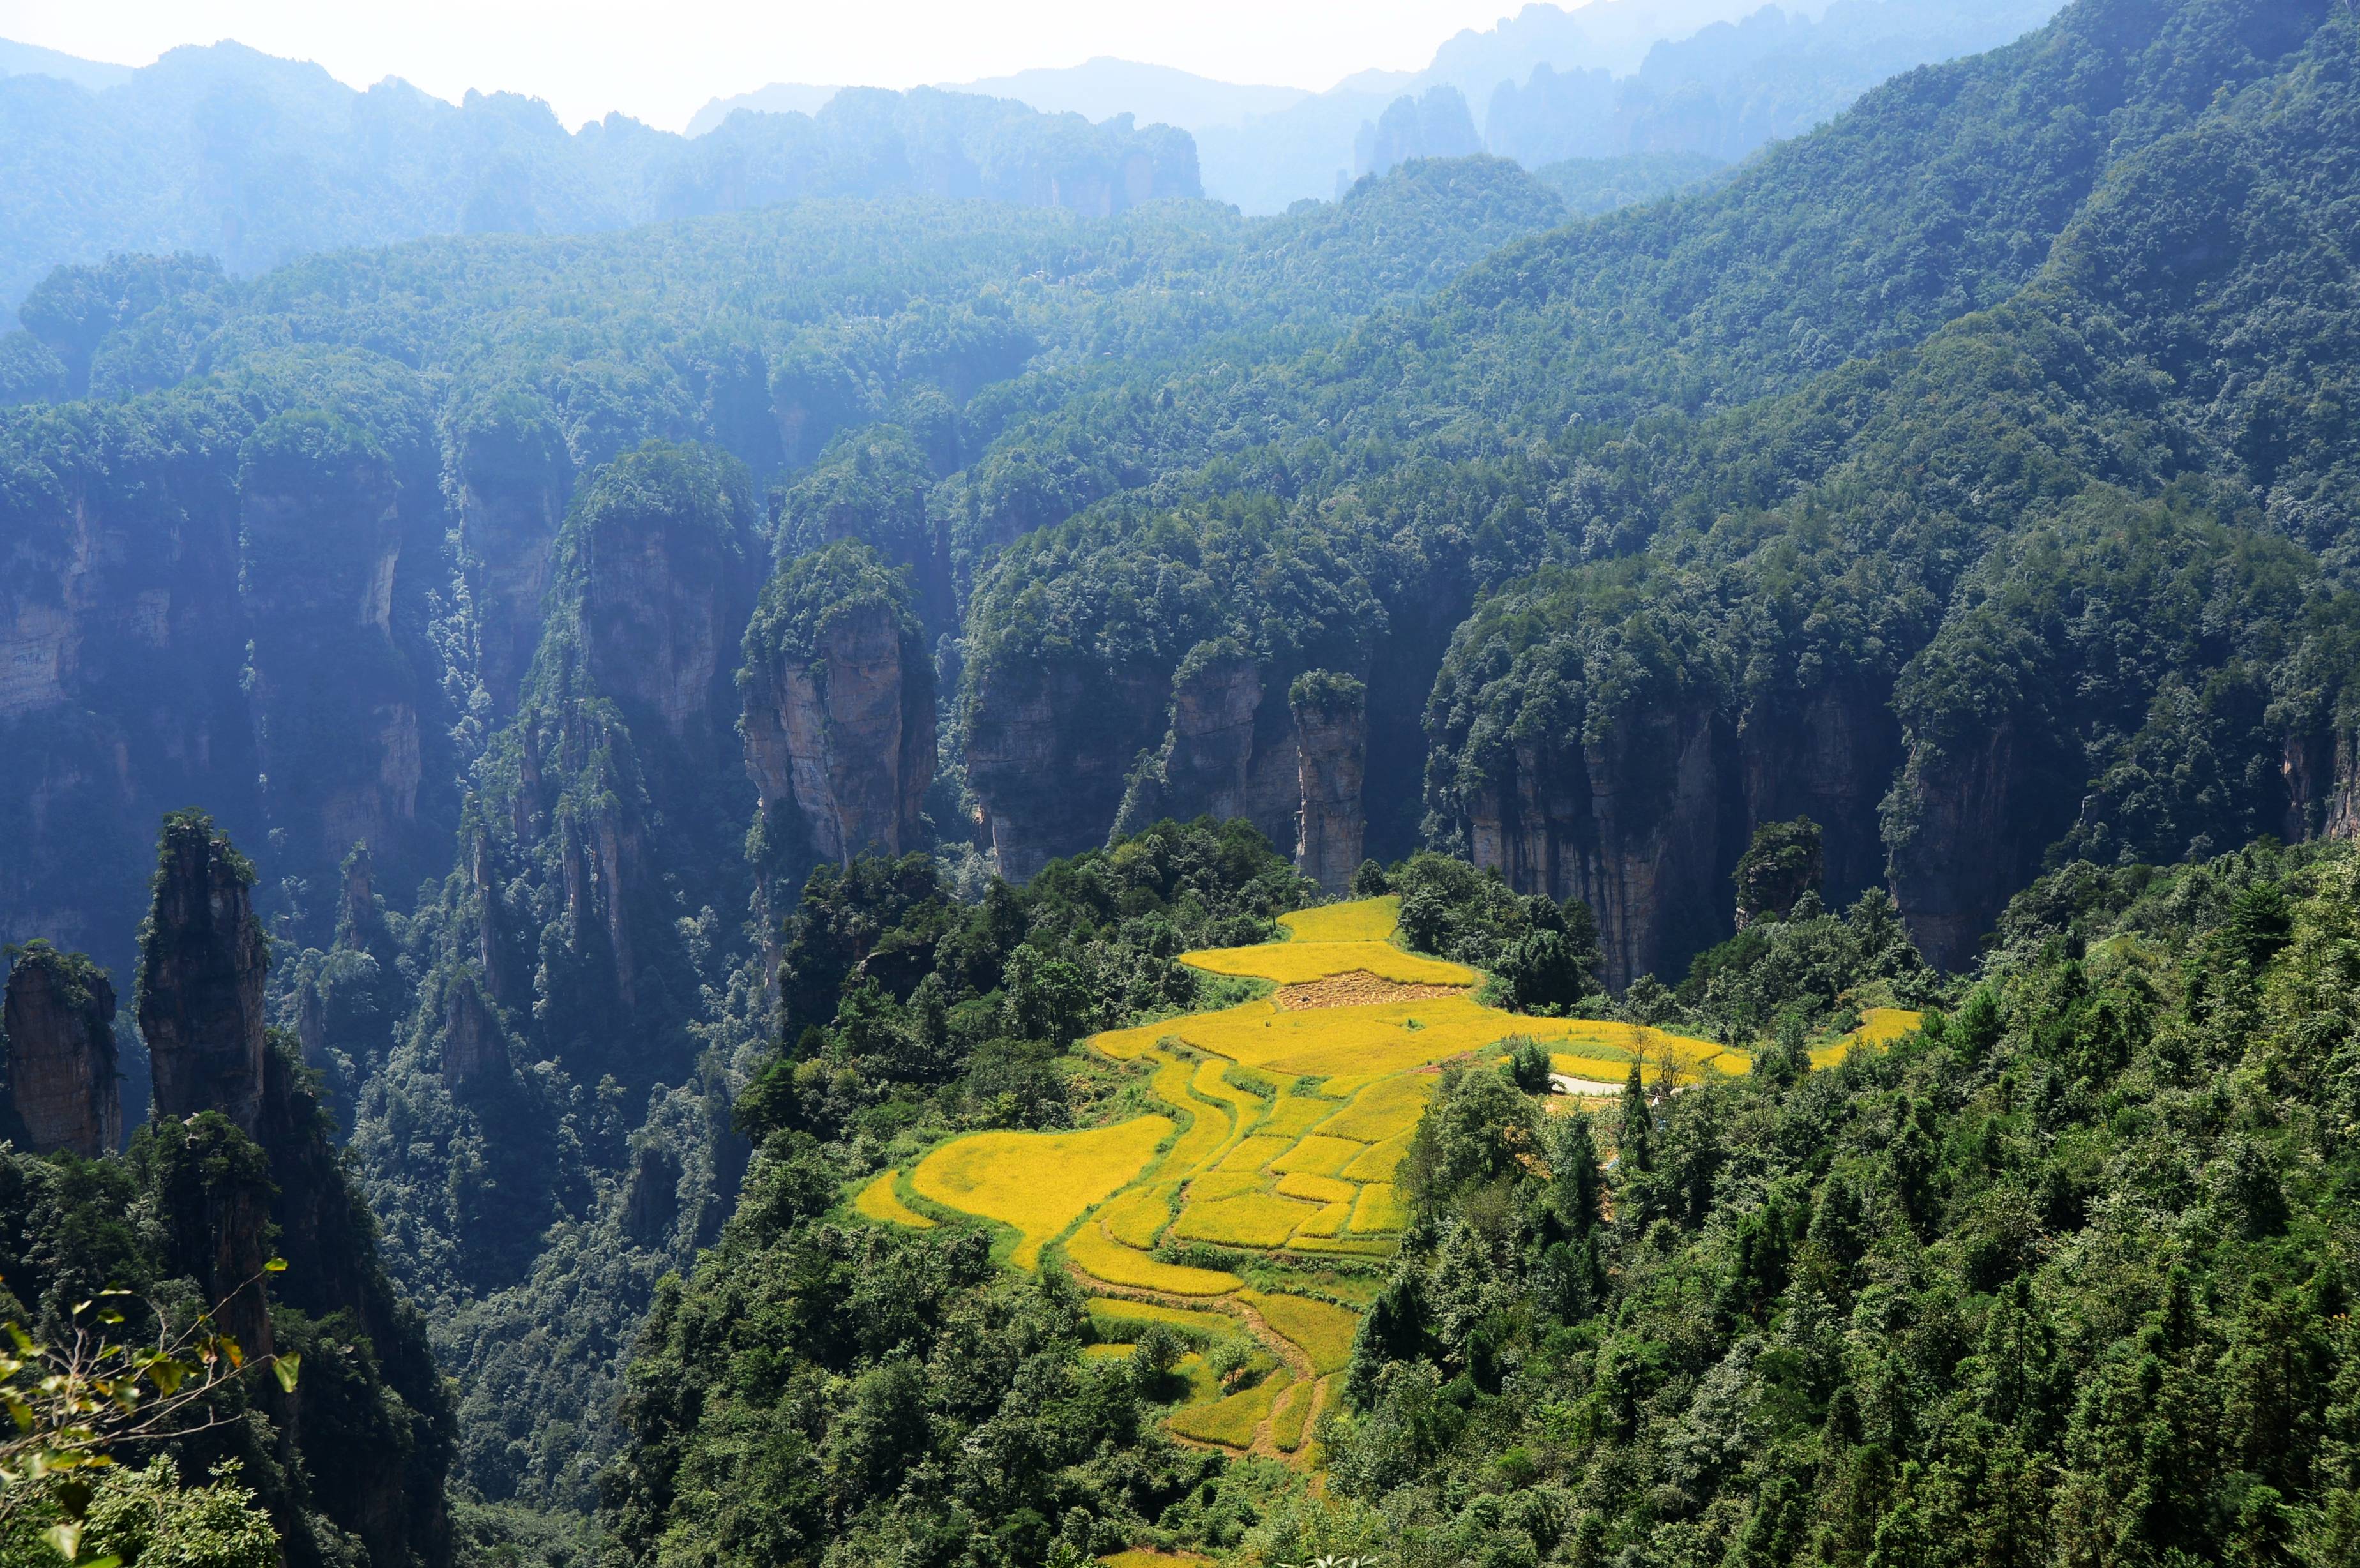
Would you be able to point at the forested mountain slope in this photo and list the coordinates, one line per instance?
(1971, 477)
(406, 550)
(1572, 400)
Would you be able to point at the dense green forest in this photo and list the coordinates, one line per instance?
(719, 707)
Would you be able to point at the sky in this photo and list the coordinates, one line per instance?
(659, 62)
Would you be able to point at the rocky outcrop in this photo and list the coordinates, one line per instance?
(1229, 751)
(840, 735)
(120, 646)
(1331, 729)
(1961, 846)
(60, 1020)
(1829, 755)
(1048, 748)
(200, 979)
(1642, 825)
(513, 477)
(664, 600)
(2322, 774)
(334, 701)
(474, 1048)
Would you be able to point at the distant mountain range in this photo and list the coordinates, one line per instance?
(1096, 90)
(225, 152)
(1709, 79)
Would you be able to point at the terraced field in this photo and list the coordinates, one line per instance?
(1257, 1201)
(1879, 1027)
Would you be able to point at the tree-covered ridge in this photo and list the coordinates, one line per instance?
(2063, 1273)
(230, 1200)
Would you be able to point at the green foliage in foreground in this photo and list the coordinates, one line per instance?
(2065, 1278)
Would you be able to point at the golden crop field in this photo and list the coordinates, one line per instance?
(1319, 1156)
(1289, 1413)
(1294, 1411)
(1315, 1189)
(1039, 1183)
(1292, 1123)
(1378, 1209)
(1295, 1115)
(1322, 1331)
(1232, 1422)
(1334, 939)
(879, 1201)
(1391, 1037)
(1256, 1219)
(1879, 1027)
(1379, 1161)
(1358, 920)
(1386, 1108)
(1096, 1253)
(1114, 1314)
(1135, 1217)
(1330, 1221)
(1300, 963)
(1254, 1153)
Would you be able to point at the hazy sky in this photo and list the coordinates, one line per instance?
(662, 61)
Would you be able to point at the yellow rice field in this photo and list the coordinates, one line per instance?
(1296, 1114)
(1137, 1216)
(879, 1201)
(1283, 1132)
(1386, 1108)
(1300, 963)
(1315, 1189)
(1255, 1219)
(1392, 1037)
(1378, 1210)
(1322, 1331)
(1359, 920)
(1288, 1415)
(1319, 1156)
(1378, 1161)
(1096, 1253)
(1879, 1028)
(1334, 939)
(1231, 1422)
(1038, 1183)
(1113, 1315)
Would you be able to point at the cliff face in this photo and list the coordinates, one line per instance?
(844, 738)
(61, 1078)
(1641, 826)
(1829, 755)
(264, 1176)
(513, 477)
(1331, 728)
(336, 701)
(1962, 847)
(1048, 748)
(664, 600)
(1231, 750)
(2321, 773)
(200, 979)
(120, 644)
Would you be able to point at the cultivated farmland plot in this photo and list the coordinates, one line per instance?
(1259, 1203)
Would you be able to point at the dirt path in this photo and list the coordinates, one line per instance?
(1290, 1354)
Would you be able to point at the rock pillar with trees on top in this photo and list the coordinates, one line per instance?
(62, 1089)
(1331, 725)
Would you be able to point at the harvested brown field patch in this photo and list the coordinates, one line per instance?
(1357, 989)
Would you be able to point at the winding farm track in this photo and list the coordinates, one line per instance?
(1307, 1384)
